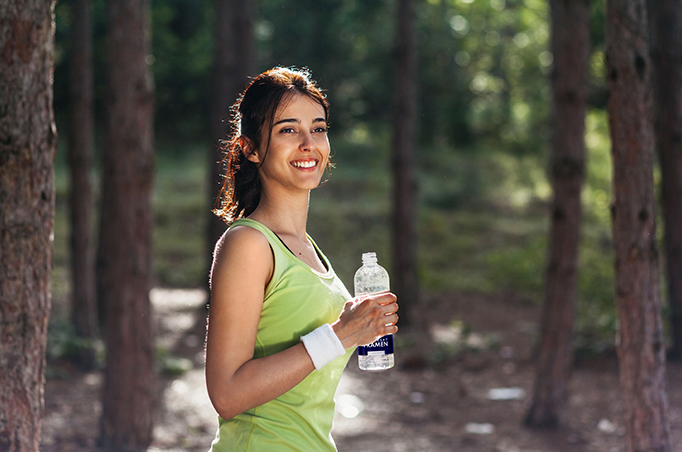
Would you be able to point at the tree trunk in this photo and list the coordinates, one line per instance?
(234, 63)
(125, 252)
(570, 20)
(641, 350)
(404, 280)
(27, 147)
(667, 82)
(83, 309)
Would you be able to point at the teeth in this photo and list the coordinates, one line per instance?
(307, 164)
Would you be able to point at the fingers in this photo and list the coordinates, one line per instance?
(384, 298)
(366, 318)
(381, 299)
(381, 310)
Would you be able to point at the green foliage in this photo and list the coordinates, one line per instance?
(182, 57)
(502, 50)
(181, 212)
(595, 320)
(595, 324)
(521, 267)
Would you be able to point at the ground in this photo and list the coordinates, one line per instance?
(438, 397)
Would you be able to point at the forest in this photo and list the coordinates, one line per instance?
(523, 190)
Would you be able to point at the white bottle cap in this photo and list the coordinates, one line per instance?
(369, 258)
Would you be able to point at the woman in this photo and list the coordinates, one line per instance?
(281, 326)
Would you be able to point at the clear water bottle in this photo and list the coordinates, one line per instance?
(373, 278)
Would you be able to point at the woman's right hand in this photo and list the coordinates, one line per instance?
(366, 318)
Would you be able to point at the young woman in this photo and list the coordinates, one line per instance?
(282, 326)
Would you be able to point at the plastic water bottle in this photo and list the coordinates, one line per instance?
(373, 278)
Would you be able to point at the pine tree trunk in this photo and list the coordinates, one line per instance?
(27, 148)
(83, 309)
(234, 62)
(570, 21)
(666, 60)
(404, 280)
(641, 350)
(125, 246)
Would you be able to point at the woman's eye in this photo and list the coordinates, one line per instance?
(287, 130)
(320, 130)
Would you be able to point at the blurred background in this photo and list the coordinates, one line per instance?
(482, 141)
(481, 163)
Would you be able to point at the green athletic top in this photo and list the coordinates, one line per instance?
(297, 300)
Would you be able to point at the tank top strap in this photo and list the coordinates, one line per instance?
(281, 251)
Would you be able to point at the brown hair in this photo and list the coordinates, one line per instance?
(256, 107)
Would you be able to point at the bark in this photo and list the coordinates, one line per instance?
(234, 62)
(124, 258)
(641, 351)
(27, 148)
(404, 278)
(570, 22)
(667, 82)
(83, 309)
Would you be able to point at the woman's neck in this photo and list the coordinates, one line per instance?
(283, 214)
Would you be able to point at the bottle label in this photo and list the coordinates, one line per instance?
(382, 345)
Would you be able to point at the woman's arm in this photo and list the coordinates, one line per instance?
(236, 382)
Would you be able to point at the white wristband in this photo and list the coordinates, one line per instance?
(323, 345)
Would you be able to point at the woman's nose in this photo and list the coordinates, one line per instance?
(308, 143)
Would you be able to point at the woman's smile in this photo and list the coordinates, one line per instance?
(305, 163)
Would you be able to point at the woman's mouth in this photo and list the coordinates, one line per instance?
(304, 163)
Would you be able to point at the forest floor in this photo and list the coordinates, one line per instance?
(463, 376)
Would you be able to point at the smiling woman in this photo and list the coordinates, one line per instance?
(252, 123)
(281, 323)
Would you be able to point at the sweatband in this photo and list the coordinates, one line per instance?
(323, 345)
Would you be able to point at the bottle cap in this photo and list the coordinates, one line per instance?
(369, 258)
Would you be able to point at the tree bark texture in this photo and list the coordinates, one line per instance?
(570, 20)
(404, 279)
(641, 350)
(125, 246)
(83, 308)
(234, 62)
(27, 147)
(666, 60)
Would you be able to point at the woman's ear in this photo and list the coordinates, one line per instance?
(248, 149)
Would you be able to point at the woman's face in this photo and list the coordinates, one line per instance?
(298, 146)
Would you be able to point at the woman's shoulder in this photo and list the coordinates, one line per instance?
(242, 247)
(241, 239)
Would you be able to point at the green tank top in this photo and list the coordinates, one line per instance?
(297, 300)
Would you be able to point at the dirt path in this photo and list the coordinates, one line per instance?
(438, 398)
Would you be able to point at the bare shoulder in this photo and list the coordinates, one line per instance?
(242, 251)
(242, 237)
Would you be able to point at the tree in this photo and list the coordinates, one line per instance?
(234, 62)
(84, 309)
(570, 21)
(125, 245)
(666, 61)
(403, 145)
(27, 148)
(640, 345)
